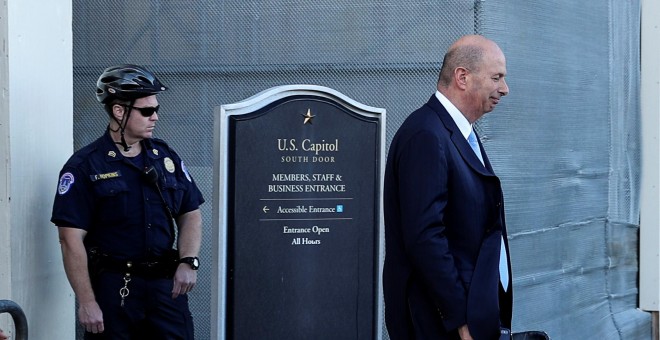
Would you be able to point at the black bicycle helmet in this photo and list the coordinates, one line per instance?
(127, 82)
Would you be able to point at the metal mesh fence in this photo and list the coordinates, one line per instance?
(571, 187)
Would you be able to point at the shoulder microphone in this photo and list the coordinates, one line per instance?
(151, 175)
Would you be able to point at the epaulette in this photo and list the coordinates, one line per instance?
(82, 155)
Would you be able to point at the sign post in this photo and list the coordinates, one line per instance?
(298, 203)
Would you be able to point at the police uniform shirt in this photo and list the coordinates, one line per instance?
(106, 194)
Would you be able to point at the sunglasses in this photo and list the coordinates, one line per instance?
(145, 111)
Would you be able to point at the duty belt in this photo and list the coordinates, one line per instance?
(161, 267)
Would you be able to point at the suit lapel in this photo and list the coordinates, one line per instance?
(459, 141)
(483, 154)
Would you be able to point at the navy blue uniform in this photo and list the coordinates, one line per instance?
(106, 194)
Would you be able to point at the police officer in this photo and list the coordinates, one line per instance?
(116, 205)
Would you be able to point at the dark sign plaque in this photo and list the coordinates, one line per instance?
(302, 239)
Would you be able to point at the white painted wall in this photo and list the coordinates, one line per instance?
(5, 254)
(37, 97)
(650, 198)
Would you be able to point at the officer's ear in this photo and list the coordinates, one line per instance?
(118, 111)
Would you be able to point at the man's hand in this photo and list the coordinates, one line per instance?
(74, 257)
(185, 279)
(464, 333)
(91, 317)
(3, 336)
(189, 241)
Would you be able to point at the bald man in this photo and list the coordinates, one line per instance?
(447, 269)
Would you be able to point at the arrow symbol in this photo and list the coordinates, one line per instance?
(266, 209)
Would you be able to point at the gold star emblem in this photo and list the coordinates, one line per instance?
(308, 117)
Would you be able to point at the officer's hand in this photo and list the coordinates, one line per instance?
(91, 317)
(184, 280)
(464, 333)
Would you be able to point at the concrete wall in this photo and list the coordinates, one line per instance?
(36, 139)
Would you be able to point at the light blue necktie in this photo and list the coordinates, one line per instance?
(472, 140)
(504, 269)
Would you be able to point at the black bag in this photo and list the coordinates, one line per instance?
(530, 335)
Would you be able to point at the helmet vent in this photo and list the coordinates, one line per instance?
(130, 86)
(144, 79)
(108, 79)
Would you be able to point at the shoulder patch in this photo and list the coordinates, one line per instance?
(66, 181)
(185, 171)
